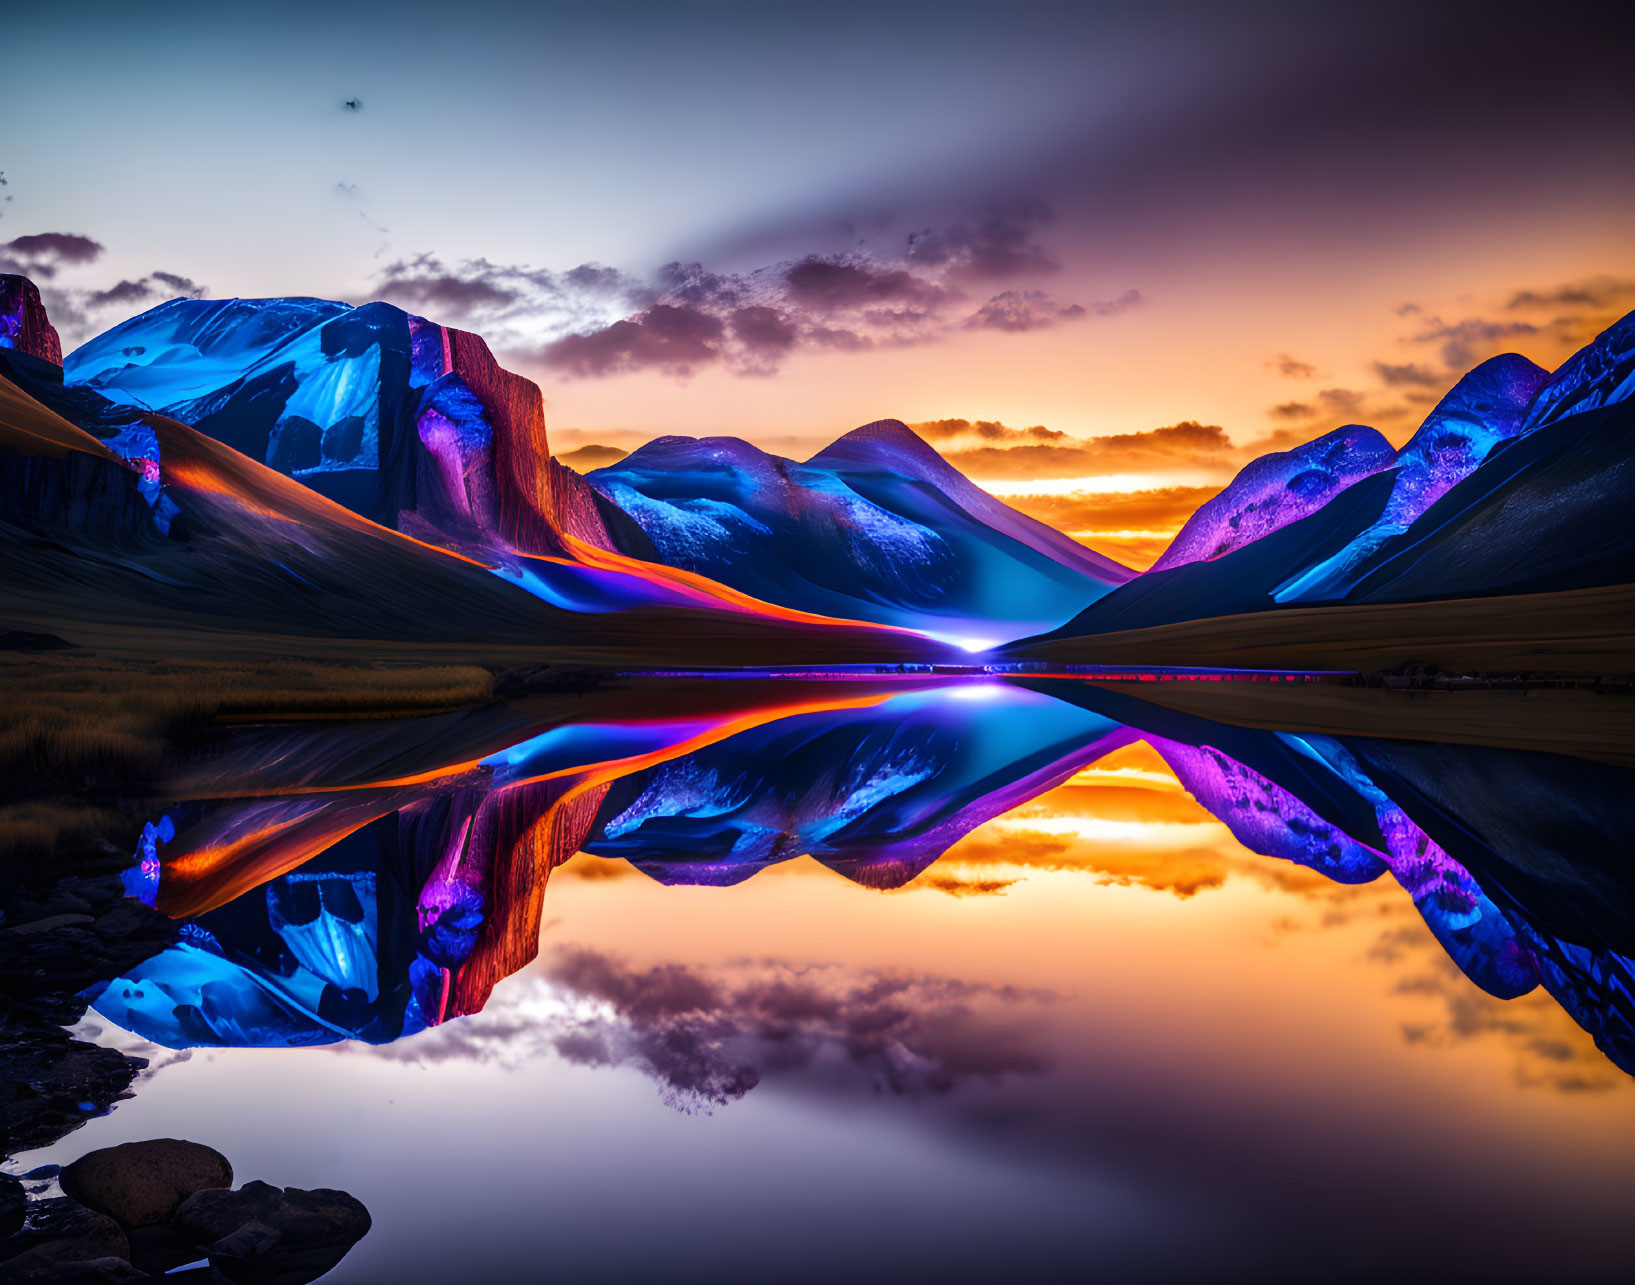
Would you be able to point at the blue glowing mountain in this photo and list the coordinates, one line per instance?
(1518, 482)
(415, 427)
(875, 527)
(1276, 490)
(1484, 408)
(347, 473)
(407, 423)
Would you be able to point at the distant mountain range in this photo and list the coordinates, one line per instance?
(304, 468)
(1519, 482)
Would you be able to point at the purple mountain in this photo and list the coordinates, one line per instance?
(875, 527)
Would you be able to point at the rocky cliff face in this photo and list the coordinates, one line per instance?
(23, 323)
(409, 423)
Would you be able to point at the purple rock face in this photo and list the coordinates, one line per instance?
(1276, 490)
(1480, 411)
(1266, 818)
(1483, 409)
(23, 323)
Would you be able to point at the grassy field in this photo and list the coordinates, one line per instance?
(1580, 632)
(1581, 724)
(80, 731)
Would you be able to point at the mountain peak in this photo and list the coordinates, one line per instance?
(1599, 374)
(887, 439)
(24, 325)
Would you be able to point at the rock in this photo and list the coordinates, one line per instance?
(24, 324)
(142, 1183)
(58, 1231)
(161, 1248)
(49, 924)
(13, 1200)
(272, 1236)
(37, 1266)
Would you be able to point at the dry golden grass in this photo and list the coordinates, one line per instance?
(75, 728)
(87, 722)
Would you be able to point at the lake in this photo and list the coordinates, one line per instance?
(894, 976)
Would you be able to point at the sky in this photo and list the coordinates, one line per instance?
(1101, 255)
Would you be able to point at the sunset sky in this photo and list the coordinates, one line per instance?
(1100, 254)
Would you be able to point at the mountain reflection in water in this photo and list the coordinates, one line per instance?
(368, 882)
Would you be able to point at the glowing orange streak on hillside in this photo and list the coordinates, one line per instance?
(190, 459)
(720, 731)
(205, 878)
(201, 880)
(206, 474)
(613, 769)
(703, 589)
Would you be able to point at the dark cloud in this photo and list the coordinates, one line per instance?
(125, 292)
(1465, 343)
(154, 287)
(1547, 1048)
(177, 284)
(763, 329)
(40, 254)
(594, 321)
(445, 294)
(1113, 307)
(1328, 405)
(1291, 367)
(675, 339)
(1002, 244)
(709, 1036)
(1340, 401)
(833, 285)
(507, 298)
(1594, 292)
(1018, 310)
(1409, 374)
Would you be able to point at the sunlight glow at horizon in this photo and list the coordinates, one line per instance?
(1097, 484)
(1108, 831)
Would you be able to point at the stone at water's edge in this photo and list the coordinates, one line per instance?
(273, 1236)
(141, 1183)
(60, 1231)
(13, 1201)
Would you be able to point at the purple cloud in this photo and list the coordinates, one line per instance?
(40, 254)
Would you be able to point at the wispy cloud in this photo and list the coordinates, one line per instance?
(708, 1036)
(593, 321)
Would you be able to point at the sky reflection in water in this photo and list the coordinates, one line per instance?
(1107, 978)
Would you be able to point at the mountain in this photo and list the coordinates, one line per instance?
(416, 427)
(1278, 489)
(120, 520)
(1517, 483)
(876, 526)
(410, 424)
(1484, 408)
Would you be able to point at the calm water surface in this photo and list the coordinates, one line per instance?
(952, 981)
